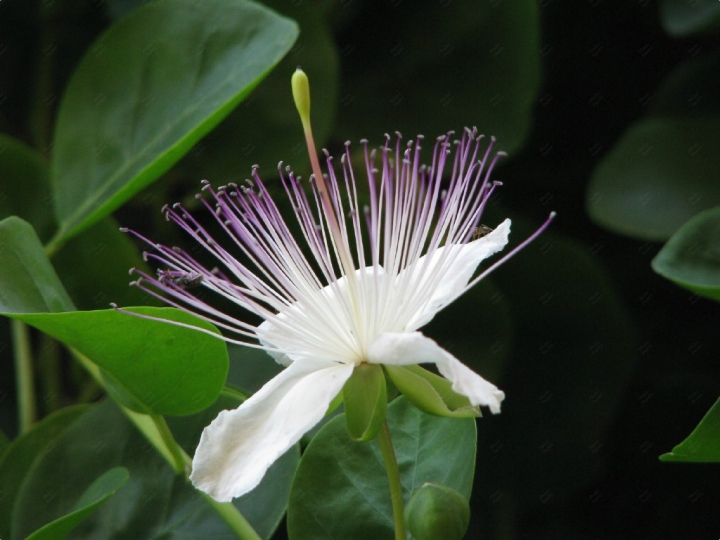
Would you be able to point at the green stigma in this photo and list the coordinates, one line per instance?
(301, 95)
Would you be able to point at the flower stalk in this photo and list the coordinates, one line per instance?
(393, 474)
(25, 383)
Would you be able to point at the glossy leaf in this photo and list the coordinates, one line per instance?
(169, 507)
(661, 173)
(96, 494)
(430, 393)
(684, 18)
(365, 399)
(340, 488)
(691, 258)
(28, 282)
(151, 87)
(23, 453)
(25, 185)
(437, 511)
(265, 128)
(480, 67)
(703, 444)
(163, 368)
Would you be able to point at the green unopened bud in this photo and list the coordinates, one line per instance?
(301, 95)
(437, 511)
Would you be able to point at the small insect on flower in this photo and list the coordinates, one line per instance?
(479, 232)
(351, 289)
(184, 280)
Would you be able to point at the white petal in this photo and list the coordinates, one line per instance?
(238, 447)
(401, 349)
(463, 259)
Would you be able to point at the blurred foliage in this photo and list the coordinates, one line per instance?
(610, 112)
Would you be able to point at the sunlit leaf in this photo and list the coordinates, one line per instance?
(163, 368)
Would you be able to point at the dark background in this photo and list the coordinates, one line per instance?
(605, 364)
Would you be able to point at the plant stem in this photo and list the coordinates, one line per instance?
(393, 474)
(27, 411)
(172, 445)
(232, 516)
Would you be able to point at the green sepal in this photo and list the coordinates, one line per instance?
(365, 398)
(437, 511)
(430, 393)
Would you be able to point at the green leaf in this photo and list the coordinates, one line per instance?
(155, 503)
(23, 453)
(96, 494)
(28, 282)
(94, 267)
(340, 488)
(25, 185)
(265, 128)
(481, 67)
(683, 18)
(691, 258)
(661, 173)
(430, 393)
(437, 511)
(703, 444)
(163, 368)
(365, 399)
(148, 89)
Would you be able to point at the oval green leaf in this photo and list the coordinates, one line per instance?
(661, 173)
(166, 369)
(28, 282)
(96, 494)
(340, 489)
(703, 444)
(686, 18)
(691, 258)
(148, 89)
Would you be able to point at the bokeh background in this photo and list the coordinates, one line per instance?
(610, 115)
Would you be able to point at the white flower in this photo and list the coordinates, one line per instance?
(355, 286)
